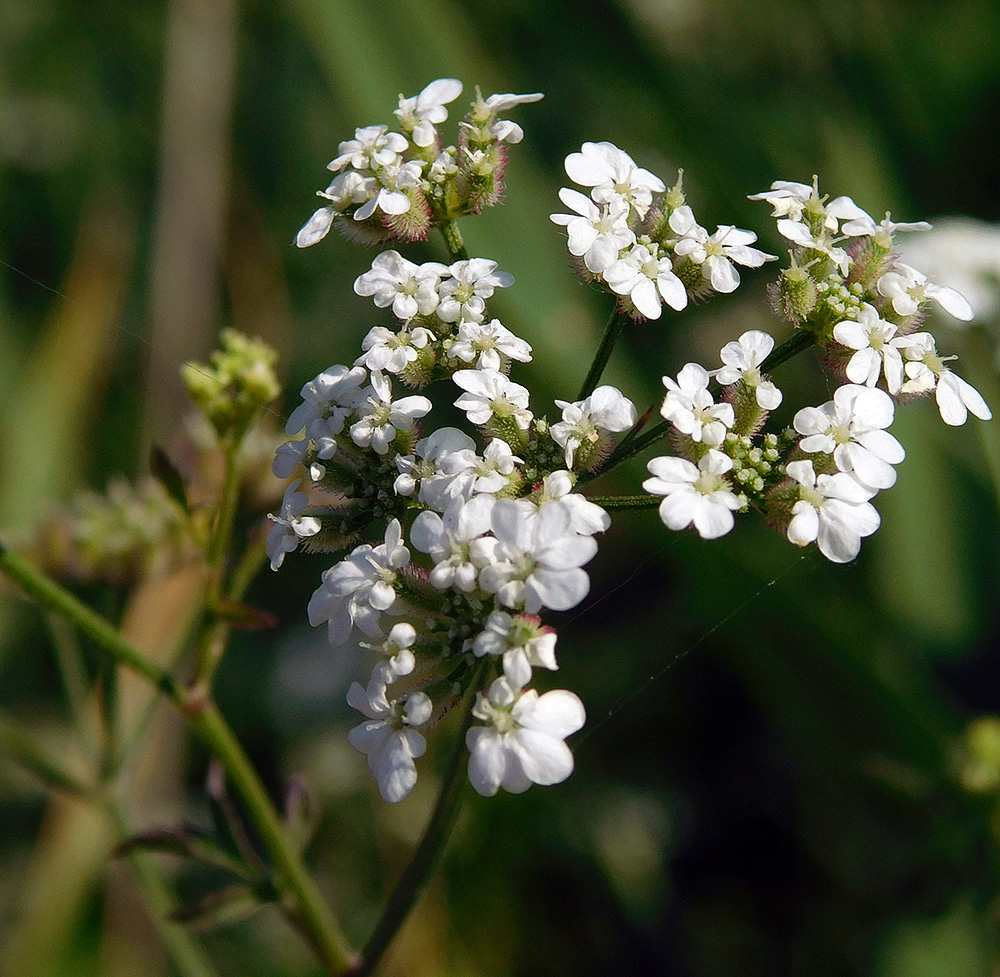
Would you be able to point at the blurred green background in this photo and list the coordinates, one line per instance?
(771, 779)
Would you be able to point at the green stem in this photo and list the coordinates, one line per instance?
(799, 340)
(416, 875)
(453, 240)
(304, 904)
(611, 333)
(303, 901)
(628, 501)
(215, 636)
(21, 748)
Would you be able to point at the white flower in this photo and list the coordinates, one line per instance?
(464, 294)
(409, 288)
(606, 409)
(486, 344)
(420, 114)
(851, 427)
(399, 660)
(523, 743)
(488, 394)
(392, 198)
(716, 254)
(389, 737)
(808, 221)
(484, 115)
(359, 588)
(833, 511)
(925, 370)
(346, 190)
(534, 557)
(689, 406)
(290, 525)
(613, 174)
(875, 355)
(523, 641)
(446, 539)
(444, 472)
(909, 289)
(585, 517)
(327, 401)
(742, 361)
(392, 351)
(599, 233)
(492, 470)
(647, 278)
(694, 496)
(882, 232)
(371, 148)
(799, 203)
(381, 416)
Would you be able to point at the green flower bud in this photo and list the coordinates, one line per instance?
(238, 382)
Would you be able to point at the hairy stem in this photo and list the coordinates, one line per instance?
(453, 241)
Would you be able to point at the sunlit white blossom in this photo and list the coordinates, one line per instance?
(392, 197)
(613, 174)
(523, 741)
(908, 289)
(596, 234)
(743, 359)
(381, 416)
(469, 283)
(419, 115)
(647, 278)
(694, 495)
(447, 538)
(410, 289)
(358, 589)
(852, 427)
(524, 642)
(371, 148)
(485, 344)
(491, 394)
(607, 409)
(690, 407)
(585, 517)
(718, 254)
(534, 557)
(833, 511)
(925, 371)
(876, 355)
(393, 351)
(484, 114)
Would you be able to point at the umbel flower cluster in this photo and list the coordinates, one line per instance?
(455, 542)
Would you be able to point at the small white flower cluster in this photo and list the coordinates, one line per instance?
(397, 185)
(646, 252)
(484, 534)
(815, 481)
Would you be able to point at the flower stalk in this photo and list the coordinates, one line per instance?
(611, 333)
